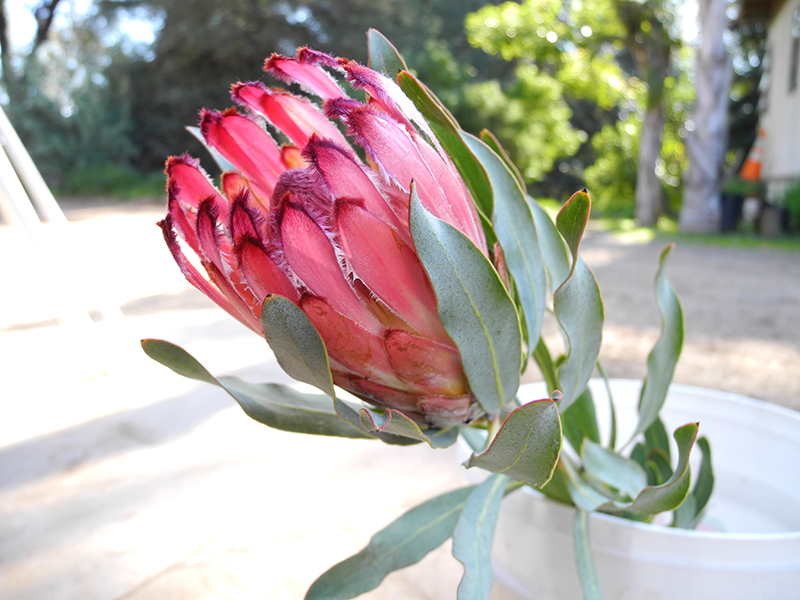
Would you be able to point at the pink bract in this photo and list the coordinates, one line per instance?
(310, 221)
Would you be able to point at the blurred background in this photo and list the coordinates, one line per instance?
(121, 480)
(591, 93)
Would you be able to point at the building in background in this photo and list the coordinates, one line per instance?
(780, 117)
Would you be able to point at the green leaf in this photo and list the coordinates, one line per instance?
(473, 306)
(383, 56)
(621, 473)
(516, 232)
(394, 422)
(705, 477)
(473, 537)
(558, 488)
(664, 356)
(657, 438)
(177, 359)
(583, 554)
(488, 138)
(689, 514)
(296, 344)
(282, 407)
(571, 220)
(658, 466)
(405, 542)
(426, 101)
(578, 305)
(527, 446)
(274, 405)
(612, 411)
(450, 137)
(579, 309)
(668, 496)
(554, 250)
(545, 362)
(580, 421)
(351, 415)
(684, 516)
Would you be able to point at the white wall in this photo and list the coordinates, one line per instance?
(781, 121)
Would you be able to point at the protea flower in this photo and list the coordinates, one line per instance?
(312, 222)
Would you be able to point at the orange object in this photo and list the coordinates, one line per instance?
(751, 169)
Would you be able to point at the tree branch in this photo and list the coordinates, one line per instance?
(44, 14)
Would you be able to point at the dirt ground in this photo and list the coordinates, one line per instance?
(741, 305)
(741, 310)
(131, 472)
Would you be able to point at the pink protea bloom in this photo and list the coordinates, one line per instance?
(310, 222)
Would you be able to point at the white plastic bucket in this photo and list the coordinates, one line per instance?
(747, 547)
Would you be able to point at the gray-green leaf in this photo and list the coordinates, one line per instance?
(404, 542)
(527, 446)
(296, 344)
(664, 356)
(473, 305)
(273, 405)
(383, 56)
(515, 228)
(474, 535)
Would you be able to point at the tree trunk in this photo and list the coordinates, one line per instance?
(705, 145)
(648, 185)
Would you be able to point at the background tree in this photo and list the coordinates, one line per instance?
(706, 143)
(613, 58)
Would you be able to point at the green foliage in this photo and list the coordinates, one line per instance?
(113, 181)
(612, 178)
(791, 202)
(529, 115)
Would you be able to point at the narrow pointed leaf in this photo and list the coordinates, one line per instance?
(474, 535)
(274, 405)
(664, 356)
(383, 56)
(579, 309)
(488, 138)
(612, 411)
(405, 542)
(527, 446)
(396, 423)
(177, 359)
(554, 250)
(450, 137)
(621, 473)
(571, 220)
(516, 231)
(669, 495)
(578, 305)
(474, 307)
(583, 553)
(689, 514)
(705, 477)
(296, 344)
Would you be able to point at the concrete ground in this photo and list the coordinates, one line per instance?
(121, 480)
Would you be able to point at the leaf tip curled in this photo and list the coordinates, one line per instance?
(665, 253)
(557, 396)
